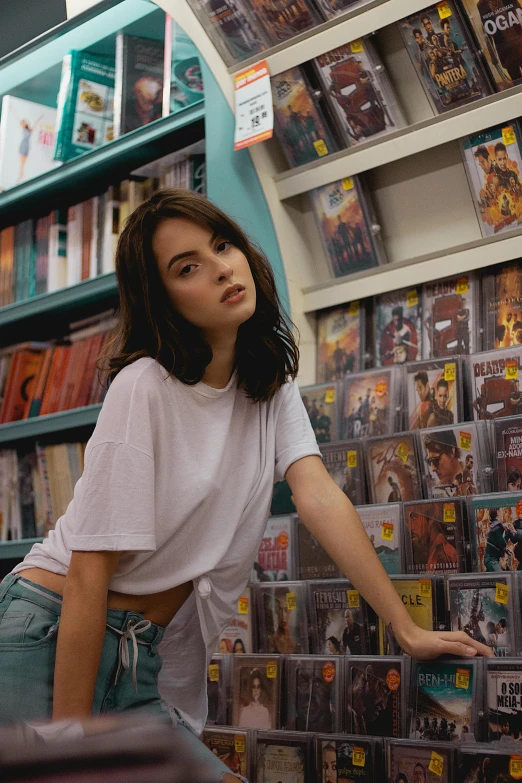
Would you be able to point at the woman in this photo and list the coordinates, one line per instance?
(202, 414)
(255, 714)
(239, 647)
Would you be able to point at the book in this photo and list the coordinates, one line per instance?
(182, 78)
(234, 32)
(138, 92)
(6, 265)
(57, 266)
(23, 372)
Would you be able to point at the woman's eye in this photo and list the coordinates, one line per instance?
(223, 245)
(185, 270)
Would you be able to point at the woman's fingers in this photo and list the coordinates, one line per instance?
(467, 646)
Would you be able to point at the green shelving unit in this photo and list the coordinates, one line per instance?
(16, 550)
(48, 425)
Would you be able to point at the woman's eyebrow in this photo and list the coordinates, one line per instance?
(179, 256)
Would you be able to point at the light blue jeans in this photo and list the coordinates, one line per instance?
(128, 672)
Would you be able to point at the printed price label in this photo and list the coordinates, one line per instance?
(358, 757)
(213, 672)
(271, 670)
(403, 451)
(515, 767)
(329, 394)
(387, 531)
(354, 601)
(462, 679)
(347, 183)
(291, 601)
(242, 605)
(329, 671)
(444, 10)
(450, 371)
(501, 593)
(512, 371)
(254, 109)
(465, 441)
(425, 588)
(462, 286)
(357, 46)
(450, 515)
(351, 459)
(320, 147)
(239, 744)
(508, 135)
(436, 764)
(412, 298)
(354, 308)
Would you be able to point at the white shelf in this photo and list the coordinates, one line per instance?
(390, 277)
(349, 26)
(425, 135)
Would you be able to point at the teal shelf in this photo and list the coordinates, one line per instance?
(16, 550)
(47, 425)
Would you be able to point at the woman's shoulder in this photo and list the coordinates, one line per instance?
(144, 376)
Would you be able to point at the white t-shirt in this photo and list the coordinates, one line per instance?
(180, 479)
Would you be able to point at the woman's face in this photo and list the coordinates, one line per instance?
(330, 766)
(238, 647)
(196, 269)
(256, 689)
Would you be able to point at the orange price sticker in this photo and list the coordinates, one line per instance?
(462, 286)
(462, 679)
(509, 135)
(358, 757)
(239, 743)
(353, 599)
(465, 441)
(501, 593)
(412, 298)
(357, 46)
(425, 588)
(515, 767)
(449, 512)
(329, 394)
(213, 672)
(387, 531)
(444, 10)
(512, 371)
(320, 147)
(403, 451)
(347, 183)
(242, 605)
(436, 764)
(291, 601)
(450, 371)
(271, 670)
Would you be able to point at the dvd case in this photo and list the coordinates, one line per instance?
(484, 607)
(496, 531)
(283, 756)
(392, 469)
(230, 27)
(455, 461)
(444, 56)
(494, 378)
(281, 21)
(340, 341)
(338, 618)
(218, 684)
(507, 443)
(313, 562)
(502, 305)
(322, 403)
(371, 403)
(498, 30)
(233, 747)
(384, 527)
(397, 327)
(332, 8)
(314, 687)
(434, 392)
(419, 762)
(424, 601)
(359, 91)
(435, 536)
(504, 699)
(376, 695)
(344, 463)
(299, 124)
(282, 617)
(485, 763)
(445, 699)
(256, 689)
(341, 758)
(275, 561)
(346, 225)
(493, 163)
(450, 317)
(236, 636)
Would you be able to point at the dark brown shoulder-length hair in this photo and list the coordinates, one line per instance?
(266, 351)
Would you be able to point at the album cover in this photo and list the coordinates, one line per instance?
(419, 762)
(283, 757)
(454, 460)
(344, 463)
(397, 327)
(444, 56)
(495, 764)
(496, 532)
(280, 21)
(218, 680)
(444, 700)
(236, 636)
(419, 596)
(275, 561)
(498, 31)
(434, 536)
(375, 696)
(138, 88)
(234, 34)
(495, 385)
(340, 341)
(344, 221)
(322, 405)
(332, 8)
(338, 618)
(313, 562)
(231, 746)
(493, 163)
(434, 393)
(504, 699)
(359, 91)
(256, 685)
(370, 402)
(299, 124)
(450, 313)
(313, 693)
(282, 617)
(341, 758)
(507, 438)
(384, 527)
(502, 306)
(482, 606)
(392, 468)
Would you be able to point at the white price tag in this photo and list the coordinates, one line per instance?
(254, 111)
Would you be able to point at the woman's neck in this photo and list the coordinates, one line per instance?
(218, 373)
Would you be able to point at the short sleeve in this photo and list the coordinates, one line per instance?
(114, 501)
(294, 436)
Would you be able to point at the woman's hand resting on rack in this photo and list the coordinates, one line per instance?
(424, 645)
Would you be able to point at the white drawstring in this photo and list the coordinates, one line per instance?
(123, 653)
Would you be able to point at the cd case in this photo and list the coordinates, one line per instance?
(435, 536)
(423, 598)
(502, 306)
(237, 635)
(344, 463)
(392, 469)
(275, 561)
(434, 392)
(340, 341)
(341, 757)
(282, 617)
(507, 442)
(313, 562)
(477, 762)
(231, 29)
(496, 531)
(371, 403)
(338, 618)
(256, 688)
(450, 317)
(494, 378)
(284, 755)
(383, 525)
(420, 761)
(235, 748)
(398, 327)
(322, 403)
(376, 692)
(218, 684)
(281, 23)
(314, 688)
(504, 699)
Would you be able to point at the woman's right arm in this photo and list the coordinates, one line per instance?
(81, 632)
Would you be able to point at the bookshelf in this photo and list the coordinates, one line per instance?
(52, 424)
(16, 550)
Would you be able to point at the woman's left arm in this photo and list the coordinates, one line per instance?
(332, 519)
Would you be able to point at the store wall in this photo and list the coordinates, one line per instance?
(22, 20)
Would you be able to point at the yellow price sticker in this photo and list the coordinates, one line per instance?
(387, 531)
(271, 670)
(501, 593)
(242, 605)
(329, 394)
(347, 183)
(351, 459)
(403, 451)
(291, 601)
(449, 512)
(515, 767)
(239, 744)
(358, 757)
(450, 371)
(509, 135)
(425, 588)
(512, 371)
(213, 672)
(444, 10)
(462, 679)
(320, 147)
(465, 441)
(436, 764)
(354, 308)
(462, 286)
(357, 46)
(353, 598)
(412, 298)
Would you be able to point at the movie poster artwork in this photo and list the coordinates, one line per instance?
(230, 746)
(451, 459)
(339, 759)
(281, 760)
(504, 695)
(433, 393)
(449, 317)
(508, 454)
(502, 302)
(434, 537)
(313, 694)
(374, 696)
(496, 522)
(442, 699)
(255, 692)
(495, 384)
(340, 332)
(383, 525)
(495, 765)
(321, 403)
(275, 559)
(283, 618)
(368, 404)
(398, 327)
(418, 596)
(392, 470)
(217, 686)
(339, 619)
(281, 21)
(236, 636)
(412, 763)
(344, 463)
(314, 562)
(475, 609)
